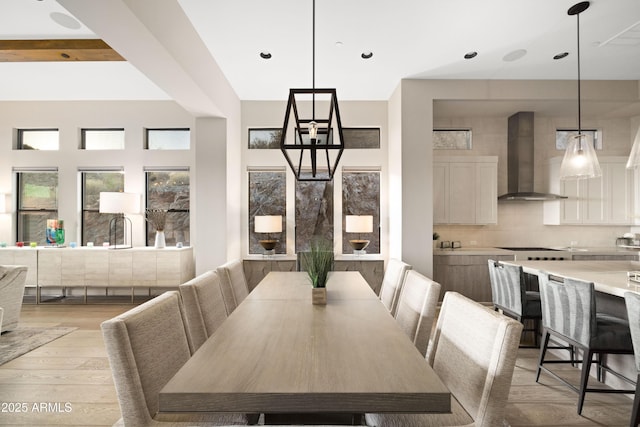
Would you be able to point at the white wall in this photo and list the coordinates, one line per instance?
(215, 205)
(270, 114)
(517, 223)
(70, 118)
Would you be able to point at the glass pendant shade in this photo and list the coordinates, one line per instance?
(580, 160)
(634, 157)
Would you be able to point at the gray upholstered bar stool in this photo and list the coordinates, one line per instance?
(569, 312)
(632, 301)
(510, 295)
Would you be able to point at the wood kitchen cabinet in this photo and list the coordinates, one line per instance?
(256, 269)
(371, 269)
(606, 200)
(465, 190)
(466, 274)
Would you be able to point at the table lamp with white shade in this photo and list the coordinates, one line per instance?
(268, 224)
(359, 224)
(119, 203)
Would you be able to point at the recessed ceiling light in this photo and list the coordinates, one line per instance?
(65, 20)
(470, 55)
(367, 55)
(514, 55)
(265, 55)
(561, 55)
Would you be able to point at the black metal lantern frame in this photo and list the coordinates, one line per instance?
(312, 158)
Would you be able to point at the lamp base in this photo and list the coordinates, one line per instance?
(359, 245)
(268, 245)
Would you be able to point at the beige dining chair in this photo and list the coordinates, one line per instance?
(233, 284)
(146, 346)
(475, 363)
(204, 307)
(392, 283)
(12, 283)
(417, 308)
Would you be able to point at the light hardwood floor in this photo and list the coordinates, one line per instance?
(75, 369)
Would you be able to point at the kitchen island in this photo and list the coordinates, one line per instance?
(611, 283)
(465, 270)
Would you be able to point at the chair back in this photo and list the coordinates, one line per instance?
(568, 307)
(146, 346)
(632, 301)
(204, 307)
(392, 283)
(507, 287)
(417, 308)
(474, 353)
(233, 284)
(12, 283)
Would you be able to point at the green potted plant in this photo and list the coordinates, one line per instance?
(318, 262)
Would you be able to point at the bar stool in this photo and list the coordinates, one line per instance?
(632, 301)
(510, 295)
(569, 313)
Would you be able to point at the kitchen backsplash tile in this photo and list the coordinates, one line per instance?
(520, 224)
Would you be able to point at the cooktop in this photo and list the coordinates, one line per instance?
(525, 248)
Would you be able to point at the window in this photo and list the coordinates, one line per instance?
(314, 212)
(452, 139)
(361, 196)
(267, 196)
(37, 202)
(102, 139)
(95, 225)
(168, 139)
(361, 137)
(169, 190)
(38, 139)
(264, 138)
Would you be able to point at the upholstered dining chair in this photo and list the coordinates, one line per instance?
(233, 284)
(510, 295)
(392, 283)
(632, 301)
(475, 363)
(12, 282)
(417, 308)
(146, 346)
(204, 307)
(569, 313)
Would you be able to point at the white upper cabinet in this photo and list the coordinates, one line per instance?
(465, 190)
(606, 200)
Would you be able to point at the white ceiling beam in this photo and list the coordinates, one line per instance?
(158, 39)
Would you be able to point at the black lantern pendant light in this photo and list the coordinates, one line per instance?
(312, 142)
(580, 160)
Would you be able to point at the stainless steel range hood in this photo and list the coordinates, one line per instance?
(520, 165)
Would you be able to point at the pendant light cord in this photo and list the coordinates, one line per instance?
(313, 61)
(579, 91)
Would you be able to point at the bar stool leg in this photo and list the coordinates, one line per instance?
(584, 379)
(543, 350)
(635, 411)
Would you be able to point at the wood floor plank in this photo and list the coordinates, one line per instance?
(75, 369)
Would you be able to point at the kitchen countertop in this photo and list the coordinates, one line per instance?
(472, 250)
(476, 250)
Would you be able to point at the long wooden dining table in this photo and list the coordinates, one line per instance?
(279, 353)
